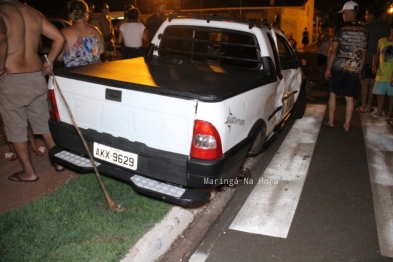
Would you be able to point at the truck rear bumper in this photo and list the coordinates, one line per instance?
(171, 193)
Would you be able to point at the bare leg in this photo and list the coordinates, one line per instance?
(31, 138)
(348, 112)
(332, 109)
(50, 143)
(380, 101)
(370, 94)
(22, 149)
(390, 110)
(48, 140)
(364, 93)
(32, 143)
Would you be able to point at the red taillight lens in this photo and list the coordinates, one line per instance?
(53, 111)
(206, 142)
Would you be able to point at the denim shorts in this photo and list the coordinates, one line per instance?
(383, 88)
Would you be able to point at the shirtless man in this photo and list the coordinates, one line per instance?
(23, 88)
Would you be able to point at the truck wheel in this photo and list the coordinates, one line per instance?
(300, 106)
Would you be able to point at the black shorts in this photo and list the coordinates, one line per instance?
(321, 59)
(348, 83)
(368, 72)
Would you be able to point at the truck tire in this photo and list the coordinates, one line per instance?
(300, 106)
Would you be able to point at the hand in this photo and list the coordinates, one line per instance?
(47, 68)
(327, 75)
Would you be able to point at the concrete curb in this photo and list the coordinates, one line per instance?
(160, 238)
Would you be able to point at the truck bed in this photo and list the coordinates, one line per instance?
(202, 81)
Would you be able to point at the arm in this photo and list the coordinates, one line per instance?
(146, 35)
(3, 46)
(120, 37)
(50, 31)
(331, 56)
(102, 41)
(64, 33)
(375, 60)
(363, 61)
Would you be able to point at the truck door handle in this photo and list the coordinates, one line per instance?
(114, 95)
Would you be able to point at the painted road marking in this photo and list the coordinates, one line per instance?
(379, 150)
(282, 182)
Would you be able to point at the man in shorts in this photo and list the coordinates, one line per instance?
(345, 62)
(383, 80)
(376, 30)
(23, 87)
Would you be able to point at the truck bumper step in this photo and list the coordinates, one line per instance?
(170, 193)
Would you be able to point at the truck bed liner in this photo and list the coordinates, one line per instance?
(200, 81)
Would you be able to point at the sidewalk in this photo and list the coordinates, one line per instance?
(17, 194)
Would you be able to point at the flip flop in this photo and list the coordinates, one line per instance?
(40, 151)
(11, 156)
(327, 124)
(15, 178)
(57, 169)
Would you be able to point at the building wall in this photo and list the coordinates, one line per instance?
(294, 20)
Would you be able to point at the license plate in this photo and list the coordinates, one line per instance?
(116, 156)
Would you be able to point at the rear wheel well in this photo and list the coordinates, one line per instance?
(258, 136)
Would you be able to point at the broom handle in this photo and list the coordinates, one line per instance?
(111, 203)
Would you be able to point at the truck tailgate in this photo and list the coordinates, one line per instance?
(151, 119)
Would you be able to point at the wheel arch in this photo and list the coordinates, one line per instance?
(258, 136)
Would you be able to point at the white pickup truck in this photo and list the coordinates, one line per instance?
(209, 92)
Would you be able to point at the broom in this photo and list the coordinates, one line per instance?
(112, 205)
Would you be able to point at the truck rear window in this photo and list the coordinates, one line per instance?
(218, 46)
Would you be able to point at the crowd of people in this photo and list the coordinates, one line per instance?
(359, 61)
(23, 84)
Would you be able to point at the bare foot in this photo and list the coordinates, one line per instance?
(327, 124)
(346, 127)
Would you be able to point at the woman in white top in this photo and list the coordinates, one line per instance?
(131, 33)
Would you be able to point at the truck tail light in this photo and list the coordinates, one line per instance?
(206, 142)
(53, 111)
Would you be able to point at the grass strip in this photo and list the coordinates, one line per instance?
(75, 223)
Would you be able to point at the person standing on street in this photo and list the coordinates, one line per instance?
(305, 40)
(382, 87)
(131, 33)
(84, 42)
(108, 32)
(346, 58)
(323, 45)
(376, 30)
(23, 87)
(92, 18)
(155, 20)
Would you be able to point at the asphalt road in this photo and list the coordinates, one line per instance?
(323, 195)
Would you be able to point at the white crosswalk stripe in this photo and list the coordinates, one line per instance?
(379, 149)
(283, 180)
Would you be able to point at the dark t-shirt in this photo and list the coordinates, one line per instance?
(153, 23)
(352, 38)
(376, 30)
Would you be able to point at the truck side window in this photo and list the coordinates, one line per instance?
(285, 53)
